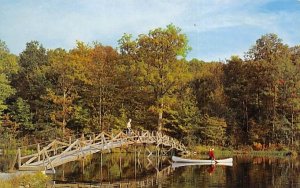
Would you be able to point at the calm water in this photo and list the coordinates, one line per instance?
(132, 170)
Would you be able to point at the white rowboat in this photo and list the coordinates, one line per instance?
(176, 165)
(182, 160)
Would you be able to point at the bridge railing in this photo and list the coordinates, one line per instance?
(47, 154)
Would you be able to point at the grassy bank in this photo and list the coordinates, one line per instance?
(247, 150)
(37, 180)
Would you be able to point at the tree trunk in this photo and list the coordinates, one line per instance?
(292, 126)
(100, 107)
(64, 113)
(274, 112)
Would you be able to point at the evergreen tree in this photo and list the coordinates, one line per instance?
(20, 112)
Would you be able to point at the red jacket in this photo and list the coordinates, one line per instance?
(211, 155)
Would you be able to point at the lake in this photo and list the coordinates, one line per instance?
(136, 170)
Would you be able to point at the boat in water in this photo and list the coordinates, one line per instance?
(176, 165)
(208, 161)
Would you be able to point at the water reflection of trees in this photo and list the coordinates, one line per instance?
(111, 168)
(246, 172)
(266, 172)
(121, 167)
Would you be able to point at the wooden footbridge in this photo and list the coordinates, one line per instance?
(59, 152)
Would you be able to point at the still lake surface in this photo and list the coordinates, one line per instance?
(134, 170)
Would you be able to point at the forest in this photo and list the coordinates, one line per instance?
(252, 100)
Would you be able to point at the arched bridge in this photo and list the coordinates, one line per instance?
(59, 152)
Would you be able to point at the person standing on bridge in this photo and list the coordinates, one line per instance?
(129, 127)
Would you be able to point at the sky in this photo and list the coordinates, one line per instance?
(216, 29)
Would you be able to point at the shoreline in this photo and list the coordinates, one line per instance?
(287, 152)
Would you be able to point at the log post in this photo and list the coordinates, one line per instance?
(39, 150)
(44, 157)
(19, 157)
(54, 148)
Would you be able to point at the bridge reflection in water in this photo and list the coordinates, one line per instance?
(114, 170)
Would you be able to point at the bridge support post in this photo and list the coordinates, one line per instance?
(19, 158)
(120, 165)
(54, 148)
(157, 155)
(134, 161)
(39, 150)
(101, 159)
(82, 165)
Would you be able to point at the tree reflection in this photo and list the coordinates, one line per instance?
(127, 168)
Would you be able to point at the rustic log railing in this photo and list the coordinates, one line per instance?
(59, 152)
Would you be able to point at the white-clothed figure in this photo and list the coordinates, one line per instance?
(129, 126)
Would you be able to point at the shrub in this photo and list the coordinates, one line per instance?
(37, 180)
(257, 146)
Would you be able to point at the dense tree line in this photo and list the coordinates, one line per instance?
(92, 88)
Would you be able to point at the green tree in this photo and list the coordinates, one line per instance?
(259, 91)
(8, 67)
(207, 86)
(238, 99)
(67, 71)
(184, 119)
(133, 97)
(20, 112)
(156, 57)
(5, 91)
(293, 95)
(9, 64)
(274, 60)
(31, 82)
(101, 93)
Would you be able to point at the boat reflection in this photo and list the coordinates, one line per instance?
(210, 169)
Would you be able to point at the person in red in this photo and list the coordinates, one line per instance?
(211, 154)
